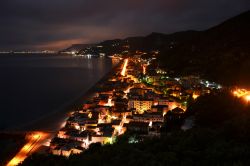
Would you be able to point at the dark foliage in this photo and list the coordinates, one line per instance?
(213, 110)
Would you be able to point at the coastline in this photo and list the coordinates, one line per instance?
(53, 121)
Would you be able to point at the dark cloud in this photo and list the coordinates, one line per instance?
(54, 24)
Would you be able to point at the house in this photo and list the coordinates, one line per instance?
(66, 151)
(175, 114)
(120, 113)
(77, 150)
(120, 103)
(64, 147)
(140, 105)
(105, 136)
(148, 117)
(159, 108)
(56, 151)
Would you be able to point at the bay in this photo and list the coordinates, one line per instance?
(34, 86)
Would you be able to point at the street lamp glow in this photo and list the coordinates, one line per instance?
(14, 162)
(195, 96)
(36, 136)
(247, 98)
(109, 103)
(124, 67)
(240, 92)
(144, 69)
(35, 140)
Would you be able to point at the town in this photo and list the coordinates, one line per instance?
(136, 98)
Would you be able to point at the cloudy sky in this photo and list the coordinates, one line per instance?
(55, 24)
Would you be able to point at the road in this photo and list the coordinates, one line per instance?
(34, 141)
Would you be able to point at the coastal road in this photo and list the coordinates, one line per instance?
(35, 141)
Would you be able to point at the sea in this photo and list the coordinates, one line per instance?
(35, 89)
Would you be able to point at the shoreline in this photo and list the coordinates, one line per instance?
(58, 117)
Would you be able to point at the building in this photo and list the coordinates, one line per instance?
(148, 117)
(160, 108)
(140, 105)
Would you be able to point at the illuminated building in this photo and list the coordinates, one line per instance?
(140, 105)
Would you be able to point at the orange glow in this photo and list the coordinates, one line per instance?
(123, 72)
(173, 106)
(35, 140)
(109, 103)
(14, 161)
(240, 92)
(58, 45)
(144, 69)
(36, 136)
(247, 98)
(243, 94)
(127, 90)
(195, 96)
(90, 115)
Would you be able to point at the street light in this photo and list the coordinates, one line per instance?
(247, 98)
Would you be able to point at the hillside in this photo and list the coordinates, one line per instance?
(76, 47)
(220, 53)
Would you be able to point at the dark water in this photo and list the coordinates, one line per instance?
(32, 87)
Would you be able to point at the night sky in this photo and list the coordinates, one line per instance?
(55, 24)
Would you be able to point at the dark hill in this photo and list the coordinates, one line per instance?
(77, 47)
(221, 53)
